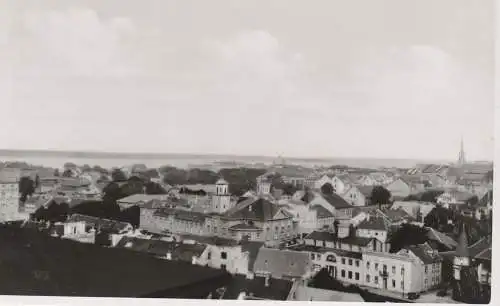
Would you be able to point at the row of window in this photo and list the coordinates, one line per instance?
(349, 274)
(375, 281)
(384, 268)
(223, 255)
(350, 261)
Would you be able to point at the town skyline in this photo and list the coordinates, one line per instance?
(122, 77)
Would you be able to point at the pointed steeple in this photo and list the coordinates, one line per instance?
(461, 154)
(463, 244)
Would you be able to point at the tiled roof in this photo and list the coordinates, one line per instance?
(281, 263)
(485, 254)
(76, 269)
(253, 209)
(138, 198)
(425, 253)
(277, 289)
(336, 201)
(322, 212)
(211, 240)
(244, 227)
(374, 223)
(366, 190)
(253, 248)
(103, 224)
(397, 215)
(10, 175)
(327, 236)
(444, 239)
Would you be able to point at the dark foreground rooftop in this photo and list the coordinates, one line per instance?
(32, 263)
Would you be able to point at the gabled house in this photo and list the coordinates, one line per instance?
(334, 203)
(454, 199)
(403, 187)
(375, 227)
(358, 195)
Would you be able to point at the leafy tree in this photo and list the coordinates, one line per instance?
(53, 213)
(26, 188)
(327, 189)
(67, 173)
(289, 189)
(380, 195)
(154, 188)
(118, 176)
(56, 172)
(407, 235)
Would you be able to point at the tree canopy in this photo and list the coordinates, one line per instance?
(117, 175)
(380, 195)
(26, 188)
(407, 235)
(327, 188)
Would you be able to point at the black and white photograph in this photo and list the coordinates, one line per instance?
(278, 150)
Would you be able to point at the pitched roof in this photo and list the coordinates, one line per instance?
(444, 239)
(253, 248)
(425, 253)
(366, 190)
(344, 253)
(479, 246)
(485, 254)
(104, 224)
(486, 200)
(253, 209)
(322, 212)
(374, 223)
(281, 263)
(140, 197)
(397, 215)
(76, 269)
(336, 201)
(244, 227)
(277, 289)
(10, 175)
(328, 236)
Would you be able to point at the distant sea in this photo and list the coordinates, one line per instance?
(56, 159)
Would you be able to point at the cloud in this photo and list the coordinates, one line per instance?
(74, 42)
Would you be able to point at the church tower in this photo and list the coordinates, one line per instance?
(462, 257)
(264, 186)
(461, 154)
(221, 201)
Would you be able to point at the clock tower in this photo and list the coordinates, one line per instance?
(462, 257)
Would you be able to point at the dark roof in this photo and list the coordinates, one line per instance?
(336, 201)
(485, 254)
(486, 200)
(212, 240)
(307, 197)
(244, 227)
(327, 236)
(322, 212)
(396, 215)
(366, 190)
(253, 248)
(149, 246)
(479, 246)
(253, 209)
(374, 223)
(425, 253)
(343, 253)
(36, 264)
(277, 289)
(112, 226)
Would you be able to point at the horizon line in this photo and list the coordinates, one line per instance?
(154, 154)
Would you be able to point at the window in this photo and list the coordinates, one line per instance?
(312, 256)
(425, 268)
(324, 243)
(330, 258)
(376, 266)
(402, 270)
(357, 263)
(367, 278)
(350, 262)
(343, 261)
(209, 255)
(425, 282)
(342, 273)
(384, 268)
(393, 269)
(350, 274)
(356, 276)
(223, 267)
(402, 285)
(393, 284)
(367, 265)
(376, 280)
(223, 255)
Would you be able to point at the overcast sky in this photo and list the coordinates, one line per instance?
(298, 78)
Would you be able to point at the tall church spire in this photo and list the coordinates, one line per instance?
(461, 155)
(463, 244)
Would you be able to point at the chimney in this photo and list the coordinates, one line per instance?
(249, 275)
(267, 280)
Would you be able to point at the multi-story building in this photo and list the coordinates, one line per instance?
(9, 195)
